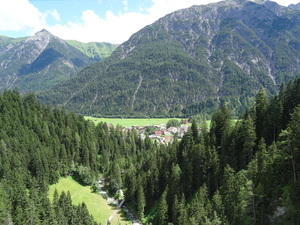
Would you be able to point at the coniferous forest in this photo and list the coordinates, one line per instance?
(243, 172)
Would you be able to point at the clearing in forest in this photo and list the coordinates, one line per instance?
(97, 206)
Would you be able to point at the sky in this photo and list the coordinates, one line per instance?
(112, 21)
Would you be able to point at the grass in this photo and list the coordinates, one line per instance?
(139, 122)
(130, 122)
(97, 206)
(94, 49)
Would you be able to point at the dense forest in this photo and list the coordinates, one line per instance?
(233, 173)
(38, 145)
(230, 173)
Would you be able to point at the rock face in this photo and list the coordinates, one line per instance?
(38, 62)
(191, 61)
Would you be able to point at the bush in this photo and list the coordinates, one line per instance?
(173, 123)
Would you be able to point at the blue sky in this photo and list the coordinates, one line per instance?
(111, 21)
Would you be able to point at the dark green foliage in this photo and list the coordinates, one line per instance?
(173, 123)
(163, 209)
(66, 213)
(235, 173)
(228, 175)
(37, 146)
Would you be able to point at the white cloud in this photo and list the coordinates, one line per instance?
(55, 14)
(286, 3)
(118, 28)
(113, 28)
(16, 15)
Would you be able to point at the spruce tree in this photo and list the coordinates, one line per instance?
(163, 209)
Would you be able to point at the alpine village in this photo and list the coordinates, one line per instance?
(225, 75)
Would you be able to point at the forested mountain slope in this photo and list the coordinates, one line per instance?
(37, 146)
(233, 173)
(43, 60)
(191, 61)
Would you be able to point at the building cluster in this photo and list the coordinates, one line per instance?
(161, 133)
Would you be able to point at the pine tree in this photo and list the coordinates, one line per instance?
(249, 138)
(163, 209)
(182, 211)
(116, 181)
(218, 207)
(4, 209)
(261, 106)
(194, 128)
(174, 210)
(199, 207)
(141, 202)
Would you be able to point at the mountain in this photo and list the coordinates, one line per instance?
(95, 50)
(43, 60)
(5, 41)
(191, 61)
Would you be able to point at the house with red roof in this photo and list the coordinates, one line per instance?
(158, 132)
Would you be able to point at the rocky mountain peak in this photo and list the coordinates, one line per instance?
(44, 36)
(44, 31)
(295, 6)
(198, 56)
(42, 56)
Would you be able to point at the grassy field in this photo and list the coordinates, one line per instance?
(97, 206)
(130, 122)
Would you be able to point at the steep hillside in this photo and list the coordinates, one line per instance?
(191, 61)
(43, 60)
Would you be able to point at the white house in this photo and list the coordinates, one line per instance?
(172, 129)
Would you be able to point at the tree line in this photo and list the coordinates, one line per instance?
(229, 173)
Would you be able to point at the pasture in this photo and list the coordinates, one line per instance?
(97, 206)
(130, 122)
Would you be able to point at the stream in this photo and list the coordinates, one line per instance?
(130, 215)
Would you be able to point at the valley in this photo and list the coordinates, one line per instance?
(194, 119)
(128, 122)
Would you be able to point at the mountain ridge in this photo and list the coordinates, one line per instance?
(191, 61)
(42, 60)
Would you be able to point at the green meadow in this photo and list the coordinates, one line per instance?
(139, 122)
(130, 122)
(97, 206)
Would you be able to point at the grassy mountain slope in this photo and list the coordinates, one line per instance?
(4, 41)
(95, 50)
(191, 61)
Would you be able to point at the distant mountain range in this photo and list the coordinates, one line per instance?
(191, 61)
(43, 60)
